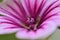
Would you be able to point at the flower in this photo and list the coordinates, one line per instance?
(30, 19)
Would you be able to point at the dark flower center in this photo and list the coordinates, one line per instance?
(32, 23)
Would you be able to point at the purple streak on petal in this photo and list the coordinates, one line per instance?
(21, 8)
(9, 13)
(14, 10)
(51, 9)
(44, 14)
(21, 17)
(47, 18)
(11, 27)
(7, 23)
(27, 2)
(18, 26)
(49, 12)
(11, 20)
(35, 6)
(8, 19)
(50, 16)
(34, 9)
(40, 7)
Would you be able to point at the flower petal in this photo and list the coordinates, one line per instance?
(31, 6)
(8, 28)
(54, 18)
(47, 29)
(10, 16)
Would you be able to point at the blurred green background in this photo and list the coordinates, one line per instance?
(8, 37)
(1, 0)
(55, 36)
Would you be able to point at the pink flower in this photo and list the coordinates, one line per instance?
(30, 19)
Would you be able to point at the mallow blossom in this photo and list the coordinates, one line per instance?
(30, 19)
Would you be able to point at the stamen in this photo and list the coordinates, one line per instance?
(32, 26)
(38, 20)
(23, 25)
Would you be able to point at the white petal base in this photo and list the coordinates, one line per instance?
(42, 33)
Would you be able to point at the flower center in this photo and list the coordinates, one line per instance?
(32, 23)
(30, 20)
